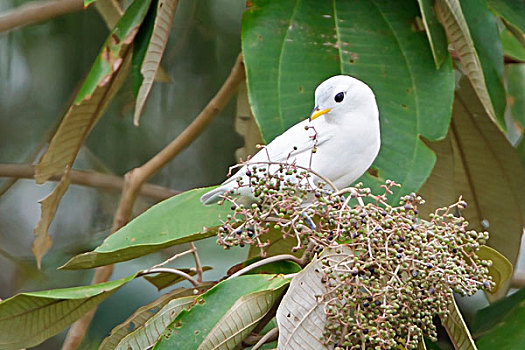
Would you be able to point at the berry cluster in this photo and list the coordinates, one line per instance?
(399, 270)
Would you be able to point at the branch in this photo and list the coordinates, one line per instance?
(89, 179)
(173, 271)
(267, 261)
(135, 178)
(37, 11)
(270, 336)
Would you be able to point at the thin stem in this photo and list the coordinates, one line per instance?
(172, 271)
(37, 11)
(88, 179)
(265, 262)
(198, 265)
(270, 336)
(135, 179)
(172, 258)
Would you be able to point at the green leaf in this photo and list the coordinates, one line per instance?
(177, 220)
(27, 319)
(451, 15)
(500, 325)
(457, 329)
(87, 2)
(151, 42)
(277, 245)
(512, 11)
(511, 46)
(291, 46)
(485, 34)
(515, 74)
(501, 268)
(163, 280)
(142, 329)
(435, 33)
(225, 315)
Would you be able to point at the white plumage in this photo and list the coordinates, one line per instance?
(346, 121)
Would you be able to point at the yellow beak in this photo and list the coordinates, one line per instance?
(317, 113)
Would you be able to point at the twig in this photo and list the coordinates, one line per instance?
(172, 258)
(37, 11)
(270, 336)
(198, 265)
(135, 178)
(170, 270)
(89, 179)
(267, 261)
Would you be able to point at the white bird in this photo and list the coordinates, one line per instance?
(345, 123)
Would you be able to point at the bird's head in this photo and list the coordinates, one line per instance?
(340, 95)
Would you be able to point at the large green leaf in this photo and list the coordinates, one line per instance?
(291, 46)
(224, 315)
(512, 11)
(179, 219)
(27, 319)
(502, 324)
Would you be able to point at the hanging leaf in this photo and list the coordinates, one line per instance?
(142, 329)
(225, 315)
(371, 40)
(435, 33)
(457, 329)
(179, 219)
(103, 81)
(163, 280)
(49, 205)
(151, 42)
(485, 34)
(452, 17)
(27, 319)
(485, 170)
(110, 11)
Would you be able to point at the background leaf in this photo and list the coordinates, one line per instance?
(179, 219)
(511, 11)
(224, 315)
(372, 40)
(149, 50)
(485, 170)
(27, 319)
(500, 325)
(516, 92)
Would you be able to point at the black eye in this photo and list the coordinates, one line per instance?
(339, 97)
